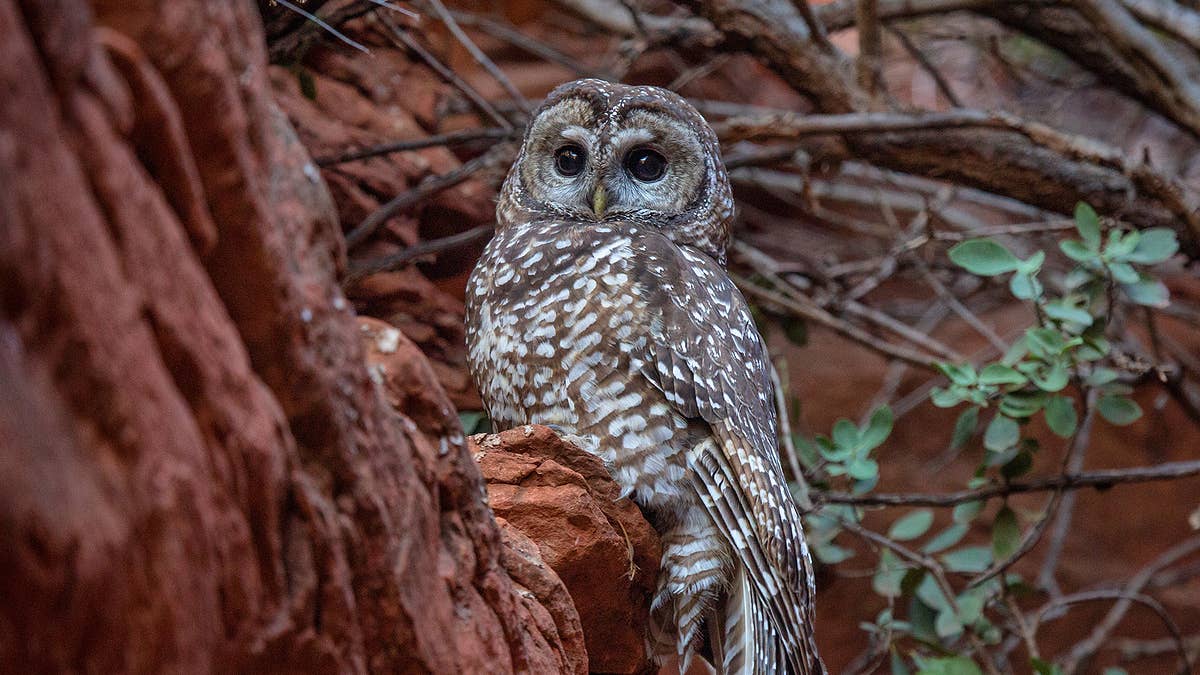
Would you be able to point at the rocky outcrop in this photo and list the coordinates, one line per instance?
(340, 103)
(197, 471)
(562, 498)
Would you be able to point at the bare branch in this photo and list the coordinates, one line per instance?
(450, 139)
(1001, 153)
(360, 269)
(1099, 635)
(477, 53)
(402, 39)
(1124, 598)
(427, 188)
(1149, 57)
(1101, 480)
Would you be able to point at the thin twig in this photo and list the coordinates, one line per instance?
(324, 25)
(1099, 635)
(1101, 480)
(1124, 598)
(528, 43)
(819, 35)
(427, 188)
(1071, 465)
(922, 60)
(789, 447)
(477, 53)
(448, 139)
(388, 263)
(402, 39)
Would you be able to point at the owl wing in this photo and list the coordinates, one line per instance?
(706, 356)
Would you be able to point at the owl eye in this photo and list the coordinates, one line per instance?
(569, 160)
(645, 164)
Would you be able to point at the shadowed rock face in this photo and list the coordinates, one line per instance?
(599, 544)
(197, 472)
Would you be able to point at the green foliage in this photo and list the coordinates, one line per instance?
(912, 525)
(1006, 534)
(948, 665)
(1044, 667)
(1057, 363)
(474, 421)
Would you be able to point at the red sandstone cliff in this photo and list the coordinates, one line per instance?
(198, 470)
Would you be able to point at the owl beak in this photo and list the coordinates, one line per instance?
(599, 201)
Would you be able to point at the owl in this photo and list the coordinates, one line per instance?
(602, 308)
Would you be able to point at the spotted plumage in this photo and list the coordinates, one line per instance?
(602, 307)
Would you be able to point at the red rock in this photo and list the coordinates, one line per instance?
(197, 473)
(562, 498)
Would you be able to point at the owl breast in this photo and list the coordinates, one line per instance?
(556, 325)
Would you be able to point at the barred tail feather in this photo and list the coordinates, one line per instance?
(768, 625)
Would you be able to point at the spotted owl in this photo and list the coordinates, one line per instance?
(602, 308)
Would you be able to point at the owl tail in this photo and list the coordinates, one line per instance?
(744, 641)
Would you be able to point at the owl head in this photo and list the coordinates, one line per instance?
(596, 151)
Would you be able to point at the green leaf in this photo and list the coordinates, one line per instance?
(1119, 410)
(931, 594)
(964, 427)
(1045, 342)
(845, 434)
(947, 398)
(966, 512)
(831, 554)
(949, 665)
(998, 373)
(1088, 224)
(1121, 244)
(1112, 670)
(1002, 433)
(946, 538)
(863, 468)
(865, 485)
(1060, 415)
(970, 559)
(1077, 250)
(921, 617)
(1093, 350)
(886, 581)
(1006, 534)
(1022, 404)
(1024, 286)
(474, 421)
(1044, 667)
(1032, 264)
(877, 429)
(994, 458)
(1018, 350)
(1053, 378)
(911, 525)
(1061, 310)
(1101, 376)
(1123, 273)
(984, 257)
(809, 456)
(1019, 465)
(970, 605)
(958, 373)
(947, 624)
(1149, 292)
(1156, 245)
(896, 663)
